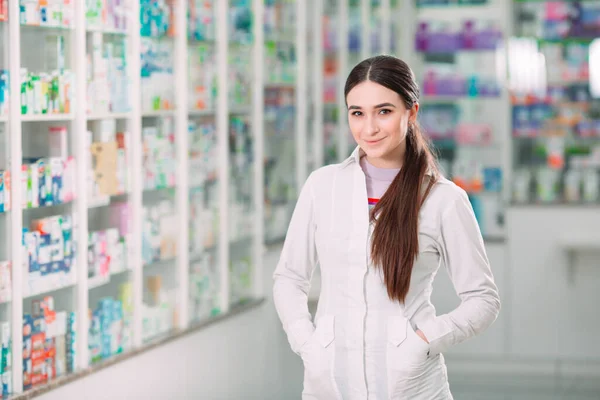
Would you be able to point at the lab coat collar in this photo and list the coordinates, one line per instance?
(354, 157)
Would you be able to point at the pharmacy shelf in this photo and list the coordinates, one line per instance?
(462, 158)
(47, 27)
(457, 12)
(238, 110)
(99, 281)
(165, 38)
(452, 98)
(49, 284)
(235, 242)
(103, 201)
(194, 42)
(285, 37)
(128, 129)
(47, 117)
(158, 113)
(106, 31)
(280, 85)
(100, 201)
(149, 191)
(48, 207)
(161, 263)
(122, 115)
(202, 113)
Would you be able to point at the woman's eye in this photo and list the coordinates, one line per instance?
(385, 111)
(357, 113)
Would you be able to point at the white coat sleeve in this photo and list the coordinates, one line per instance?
(463, 253)
(294, 271)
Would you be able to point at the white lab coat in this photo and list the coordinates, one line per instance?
(362, 345)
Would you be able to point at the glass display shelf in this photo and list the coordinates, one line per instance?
(242, 163)
(462, 104)
(555, 100)
(279, 117)
(205, 283)
(160, 217)
(6, 281)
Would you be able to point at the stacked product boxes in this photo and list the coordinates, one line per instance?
(48, 343)
(49, 254)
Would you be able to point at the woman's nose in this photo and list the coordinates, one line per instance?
(371, 126)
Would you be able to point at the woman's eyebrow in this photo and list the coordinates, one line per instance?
(377, 106)
(385, 105)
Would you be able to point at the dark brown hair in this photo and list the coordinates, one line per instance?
(395, 243)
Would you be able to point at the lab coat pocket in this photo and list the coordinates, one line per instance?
(407, 356)
(318, 356)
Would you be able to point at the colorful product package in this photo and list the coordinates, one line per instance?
(6, 384)
(28, 186)
(436, 37)
(60, 364)
(479, 35)
(3, 10)
(44, 183)
(44, 251)
(71, 339)
(56, 173)
(66, 225)
(6, 360)
(5, 191)
(31, 241)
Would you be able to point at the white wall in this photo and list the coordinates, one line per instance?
(549, 323)
(552, 316)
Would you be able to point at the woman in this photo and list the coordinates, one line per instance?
(379, 225)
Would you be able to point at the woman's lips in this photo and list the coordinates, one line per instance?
(373, 141)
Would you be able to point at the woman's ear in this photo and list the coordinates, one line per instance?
(414, 111)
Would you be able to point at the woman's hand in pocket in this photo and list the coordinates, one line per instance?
(422, 335)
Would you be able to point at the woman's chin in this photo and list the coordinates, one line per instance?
(373, 151)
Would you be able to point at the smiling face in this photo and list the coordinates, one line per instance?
(378, 120)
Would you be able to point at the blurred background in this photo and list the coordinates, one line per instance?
(151, 153)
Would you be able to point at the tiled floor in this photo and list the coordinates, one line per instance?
(521, 394)
(486, 386)
(507, 390)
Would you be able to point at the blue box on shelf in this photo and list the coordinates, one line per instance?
(492, 179)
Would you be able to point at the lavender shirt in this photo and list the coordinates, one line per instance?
(378, 180)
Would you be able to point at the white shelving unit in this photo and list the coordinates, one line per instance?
(492, 112)
(84, 292)
(101, 116)
(79, 292)
(47, 117)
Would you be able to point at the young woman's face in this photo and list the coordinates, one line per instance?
(378, 121)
